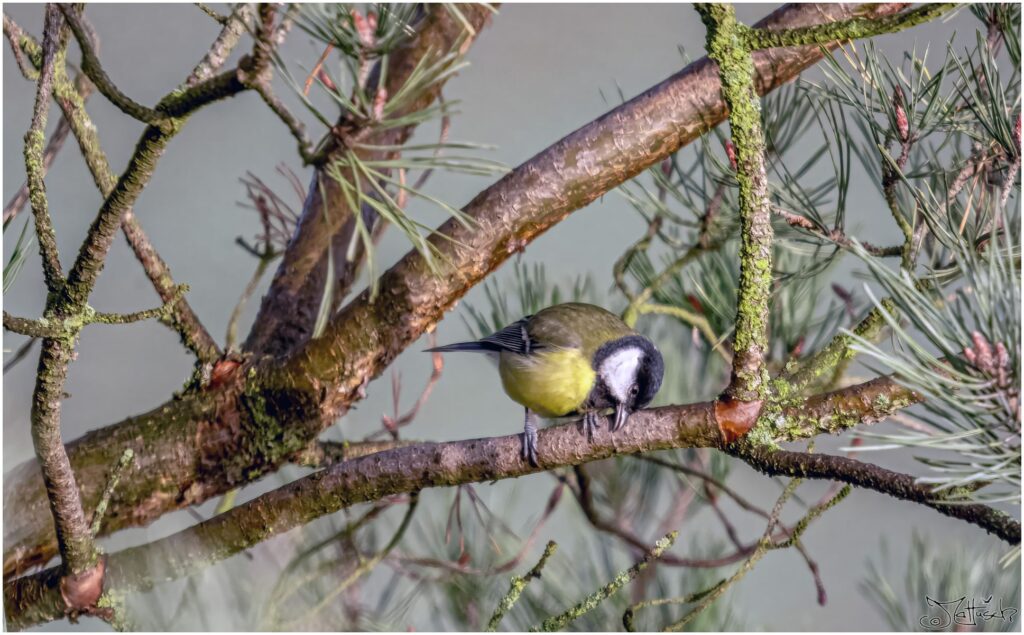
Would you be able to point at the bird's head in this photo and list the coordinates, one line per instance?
(630, 370)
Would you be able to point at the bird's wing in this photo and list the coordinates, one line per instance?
(513, 338)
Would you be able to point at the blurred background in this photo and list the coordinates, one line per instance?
(537, 73)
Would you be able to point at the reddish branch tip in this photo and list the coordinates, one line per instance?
(378, 104)
(902, 123)
(364, 28)
(730, 151)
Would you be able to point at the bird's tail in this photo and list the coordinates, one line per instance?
(466, 347)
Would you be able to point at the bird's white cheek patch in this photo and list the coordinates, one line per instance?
(619, 371)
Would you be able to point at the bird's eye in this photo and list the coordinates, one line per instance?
(634, 390)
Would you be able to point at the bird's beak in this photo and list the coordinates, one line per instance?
(621, 416)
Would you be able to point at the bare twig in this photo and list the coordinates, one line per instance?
(92, 68)
(108, 491)
(235, 26)
(392, 424)
(20, 354)
(868, 476)
(221, 19)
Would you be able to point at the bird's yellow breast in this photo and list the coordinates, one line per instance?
(551, 383)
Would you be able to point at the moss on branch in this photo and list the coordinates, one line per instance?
(727, 46)
(853, 29)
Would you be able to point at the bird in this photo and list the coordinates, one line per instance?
(571, 359)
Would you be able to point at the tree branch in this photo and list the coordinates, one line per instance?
(54, 49)
(726, 46)
(524, 204)
(425, 465)
(78, 552)
(31, 328)
(234, 26)
(71, 101)
(288, 312)
(92, 68)
(854, 29)
(879, 479)
(207, 443)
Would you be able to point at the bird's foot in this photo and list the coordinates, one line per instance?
(530, 441)
(530, 447)
(591, 422)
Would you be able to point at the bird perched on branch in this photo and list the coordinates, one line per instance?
(572, 359)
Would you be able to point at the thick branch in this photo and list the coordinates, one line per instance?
(401, 470)
(205, 444)
(288, 311)
(525, 203)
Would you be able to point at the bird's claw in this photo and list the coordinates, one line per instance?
(621, 417)
(530, 446)
(591, 422)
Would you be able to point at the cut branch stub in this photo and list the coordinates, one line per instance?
(82, 591)
(735, 417)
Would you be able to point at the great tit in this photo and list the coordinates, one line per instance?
(572, 359)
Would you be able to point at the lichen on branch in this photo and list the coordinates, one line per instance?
(727, 46)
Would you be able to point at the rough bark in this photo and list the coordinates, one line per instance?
(29, 600)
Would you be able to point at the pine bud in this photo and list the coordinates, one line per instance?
(378, 104)
(1016, 133)
(363, 29)
(730, 151)
(326, 80)
(902, 124)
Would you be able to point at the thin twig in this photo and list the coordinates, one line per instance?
(92, 68)
(108, 491)
(236, 313)
(220, 19)
(517, 586)
(53, 147)
(20, 354)
(54, 49)
(392, 424)
(868, 476)
(235, 26)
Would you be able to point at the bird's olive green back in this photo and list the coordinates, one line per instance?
(576, 325)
